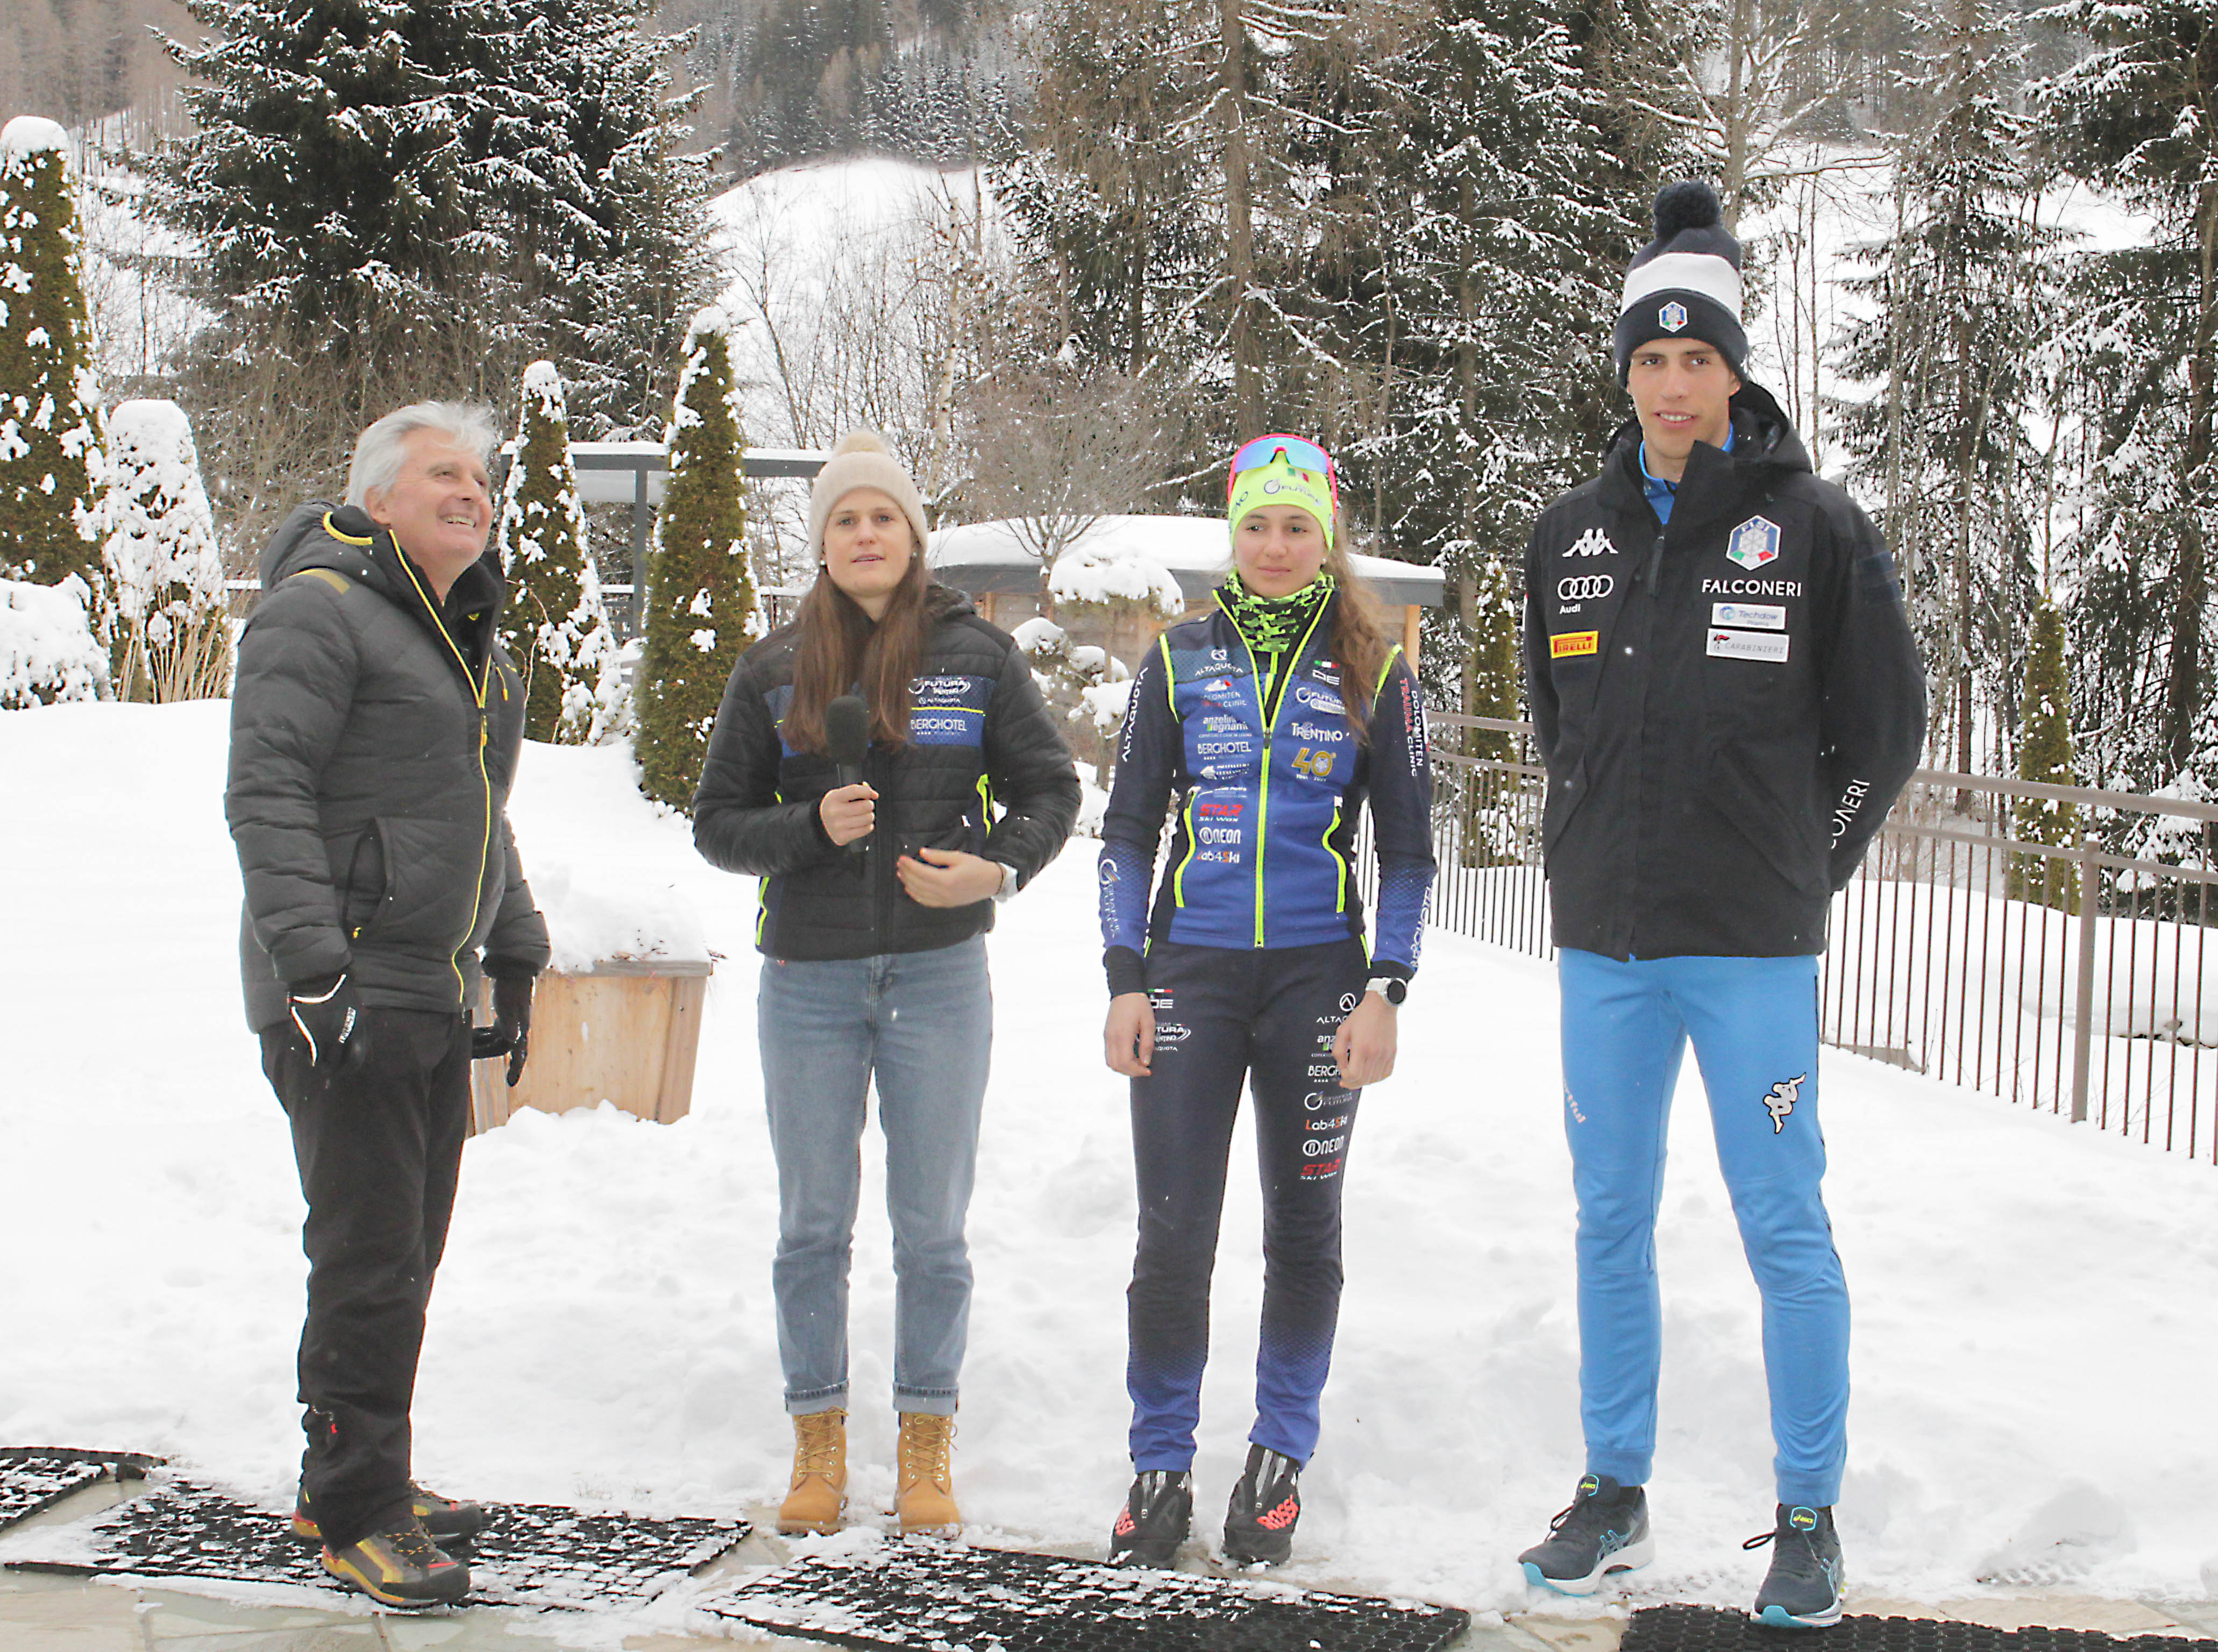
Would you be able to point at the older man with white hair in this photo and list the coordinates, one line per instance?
(375, 733)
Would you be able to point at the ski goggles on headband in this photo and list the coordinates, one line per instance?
(1301, 453)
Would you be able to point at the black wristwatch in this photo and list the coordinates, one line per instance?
(1392, 988)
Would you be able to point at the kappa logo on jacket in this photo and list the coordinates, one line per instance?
(1593, 542)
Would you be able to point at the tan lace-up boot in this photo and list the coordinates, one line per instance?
(819, 1495)
(926, 1497)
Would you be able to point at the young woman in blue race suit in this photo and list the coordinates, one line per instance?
(1261, 728)
(876, 894)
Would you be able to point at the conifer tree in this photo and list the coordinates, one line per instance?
(2044, 754)
(2139, 114)
(701, 614)
(172, 630)
(1965, 295)
(49, 460)
(555, 625)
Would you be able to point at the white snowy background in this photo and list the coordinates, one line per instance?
(2037, 1306)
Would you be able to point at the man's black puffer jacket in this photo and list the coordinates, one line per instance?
(372, 750)
(1726, 706)
(982, 742)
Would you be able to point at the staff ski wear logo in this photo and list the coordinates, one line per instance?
(1593, 542)
(1565, 645)
(1584, 588)
(1781, 1102)
(1754, 543)
(1672, 317)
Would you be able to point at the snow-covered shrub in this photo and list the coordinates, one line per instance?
(1089, 686)
(172, 628)
(555, 625)
(701, 610)
(49, 438)
(1116, 578)
(47, 651)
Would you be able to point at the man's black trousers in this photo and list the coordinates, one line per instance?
(380, 1145)
(1269, 1017)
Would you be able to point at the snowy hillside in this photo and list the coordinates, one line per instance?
(2034, 1342)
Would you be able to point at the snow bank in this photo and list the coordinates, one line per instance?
(47, 651)
(2033, 1345)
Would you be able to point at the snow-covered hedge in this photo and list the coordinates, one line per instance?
(172, 637)
(47, 651)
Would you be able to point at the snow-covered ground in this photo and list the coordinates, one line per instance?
(2038, 1307)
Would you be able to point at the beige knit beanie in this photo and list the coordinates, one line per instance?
(861, 460)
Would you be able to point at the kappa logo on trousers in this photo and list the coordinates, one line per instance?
(1781, 1102)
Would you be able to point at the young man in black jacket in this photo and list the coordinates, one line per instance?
(1727, 698)
(375, 731)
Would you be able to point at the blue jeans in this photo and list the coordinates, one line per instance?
(922, 1025)
(1754, 1025)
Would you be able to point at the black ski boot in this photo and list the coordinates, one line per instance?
(1153, 1522)
(1802, 1590)
(1605, 1529)
(1259, 1522)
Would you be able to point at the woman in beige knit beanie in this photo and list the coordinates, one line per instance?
(875, 899)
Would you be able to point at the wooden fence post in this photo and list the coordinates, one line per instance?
(2082, 1032)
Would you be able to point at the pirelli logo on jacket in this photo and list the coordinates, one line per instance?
(1564, 645)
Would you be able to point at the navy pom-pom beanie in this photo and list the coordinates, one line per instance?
(1686, 283)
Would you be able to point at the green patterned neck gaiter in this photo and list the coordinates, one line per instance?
(1273, 624)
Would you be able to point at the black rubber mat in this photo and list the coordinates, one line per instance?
(935, 1597)
(1707, 1628)
(34, 1477)
(528, 1554)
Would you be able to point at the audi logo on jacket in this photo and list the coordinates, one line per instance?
(1726, 706)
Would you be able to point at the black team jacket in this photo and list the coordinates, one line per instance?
(1726, 706)
(373, 737)
(984, 770)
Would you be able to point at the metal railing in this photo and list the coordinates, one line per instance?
(2070, 977)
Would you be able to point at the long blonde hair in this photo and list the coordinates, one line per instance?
(1360, 638)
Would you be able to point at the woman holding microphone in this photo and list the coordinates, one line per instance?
(1263, 727)
(884, 831)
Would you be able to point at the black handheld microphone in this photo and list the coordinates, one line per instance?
(848, 742)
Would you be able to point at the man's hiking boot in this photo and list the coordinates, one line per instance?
(1153, 1522)
(1604, 1531)
(450, 1521)
(401, 1567)
(1259, 1522)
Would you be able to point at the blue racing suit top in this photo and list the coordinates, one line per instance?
(1268, 781)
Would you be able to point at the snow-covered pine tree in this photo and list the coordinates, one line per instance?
(621, 244)
(2139, 114)
(172, 626)
(701, 614)
(555, 625)
(1499, 271)
(1964, 293)
(391, 195)
(49, 460)
(2044, 754)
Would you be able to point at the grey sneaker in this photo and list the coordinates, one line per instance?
(1803, 1588)
(1604, 1531)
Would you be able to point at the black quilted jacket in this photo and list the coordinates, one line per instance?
(985, 771)
(372, 749)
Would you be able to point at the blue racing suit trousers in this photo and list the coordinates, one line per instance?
(1754, 1025)
(1268, 1016)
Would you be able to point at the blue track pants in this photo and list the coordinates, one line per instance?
(1754, 1025)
